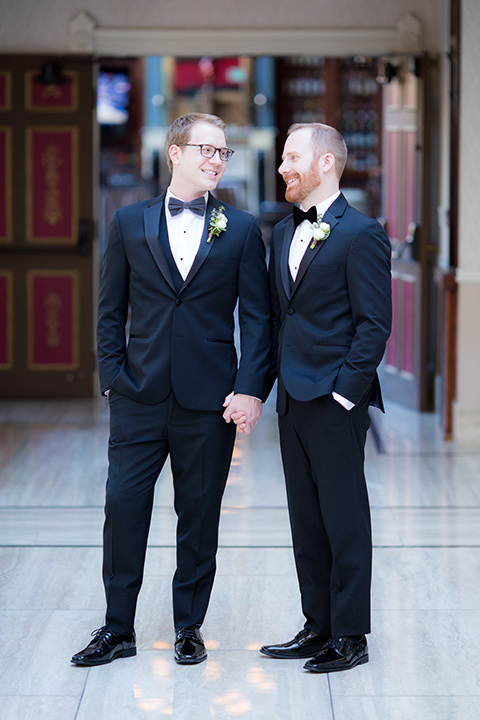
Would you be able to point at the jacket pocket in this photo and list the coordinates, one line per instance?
(219, 340)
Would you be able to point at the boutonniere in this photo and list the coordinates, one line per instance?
(218, 223)
(321, 230)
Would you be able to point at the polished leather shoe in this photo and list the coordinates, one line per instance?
(189, 646)
(305, 644)
(105, 647)
(341, 653)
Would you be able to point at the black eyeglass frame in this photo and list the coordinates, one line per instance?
(227, 152)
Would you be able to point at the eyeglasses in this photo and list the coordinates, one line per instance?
(208, 151)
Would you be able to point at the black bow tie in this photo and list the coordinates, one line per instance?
(196, 206)
(300, 215)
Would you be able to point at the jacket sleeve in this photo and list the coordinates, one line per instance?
(369, 288)
(112, 308)
(254, 318)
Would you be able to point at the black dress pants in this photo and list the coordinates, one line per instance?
(200, 445)
(322, 448)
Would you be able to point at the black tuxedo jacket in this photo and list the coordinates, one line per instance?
(181, 333)
(331, 325)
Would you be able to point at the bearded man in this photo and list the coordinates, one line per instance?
(331, 294)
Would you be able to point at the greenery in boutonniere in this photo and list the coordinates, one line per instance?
(218, 223)
(321, 230)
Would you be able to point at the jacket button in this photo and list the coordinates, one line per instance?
(291, 311)
(178, 301)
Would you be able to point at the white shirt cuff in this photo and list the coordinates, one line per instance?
(347, 404)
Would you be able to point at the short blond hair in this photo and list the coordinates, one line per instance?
(325, 139)
(179, 131)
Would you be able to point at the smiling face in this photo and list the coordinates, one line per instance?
(192, 174)
(300, 168)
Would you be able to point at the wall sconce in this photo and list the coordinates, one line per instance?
(50, 74)
(386, 72)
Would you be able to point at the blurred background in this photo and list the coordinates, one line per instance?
(86, 96)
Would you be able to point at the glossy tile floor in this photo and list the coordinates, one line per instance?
(424, 662)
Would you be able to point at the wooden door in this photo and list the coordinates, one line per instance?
(409, 200)
(46, 226)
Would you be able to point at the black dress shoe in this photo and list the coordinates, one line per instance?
(305, 644)
(189, 646)
(340, 653)
(105, 647)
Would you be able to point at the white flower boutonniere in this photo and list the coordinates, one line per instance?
(218, 223)
(321, 230)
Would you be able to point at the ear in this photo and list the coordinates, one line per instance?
(174, 153)
(327, 162)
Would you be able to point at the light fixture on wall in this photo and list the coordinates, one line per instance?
(386, 72)
(50, 74)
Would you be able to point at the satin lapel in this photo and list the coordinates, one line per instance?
(204, 247)
(151, 221)
(284, 269)
(310, 255)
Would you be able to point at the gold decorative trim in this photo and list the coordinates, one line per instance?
(8, 91)
(8, 274)
(60, 241)
(31, 107)
(42, 367)
(4, 239)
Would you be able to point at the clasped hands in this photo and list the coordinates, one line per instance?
(244, 410)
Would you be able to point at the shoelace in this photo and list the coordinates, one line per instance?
(303, 633)
(188, 632)
(335, 643)
(101, 632)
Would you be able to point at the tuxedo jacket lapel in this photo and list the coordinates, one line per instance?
(151, 221)
(151, 217)
(307, 259)
(204, 247)
(332, 216)
(284, 268)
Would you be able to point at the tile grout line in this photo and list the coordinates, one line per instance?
(236, 507)
(331, 696)
(246, 547)
(82, 694)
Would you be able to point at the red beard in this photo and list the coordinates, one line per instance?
(303, 185)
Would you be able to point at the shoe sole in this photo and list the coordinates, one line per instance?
(361, 661)
(130, 652)
(297, 656)
(181, 661)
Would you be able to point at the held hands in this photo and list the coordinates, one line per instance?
(244, 410)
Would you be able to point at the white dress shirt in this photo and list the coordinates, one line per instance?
(300, 242)
(303, 235)
(184, 233)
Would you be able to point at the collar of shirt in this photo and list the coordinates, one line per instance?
(325, 204)
(184, 234)
(303, 235)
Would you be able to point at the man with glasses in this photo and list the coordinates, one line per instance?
(177, 265)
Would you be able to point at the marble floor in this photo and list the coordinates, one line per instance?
(424, 664)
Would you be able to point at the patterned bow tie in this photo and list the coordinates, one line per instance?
(300, 215)
(196, 206)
